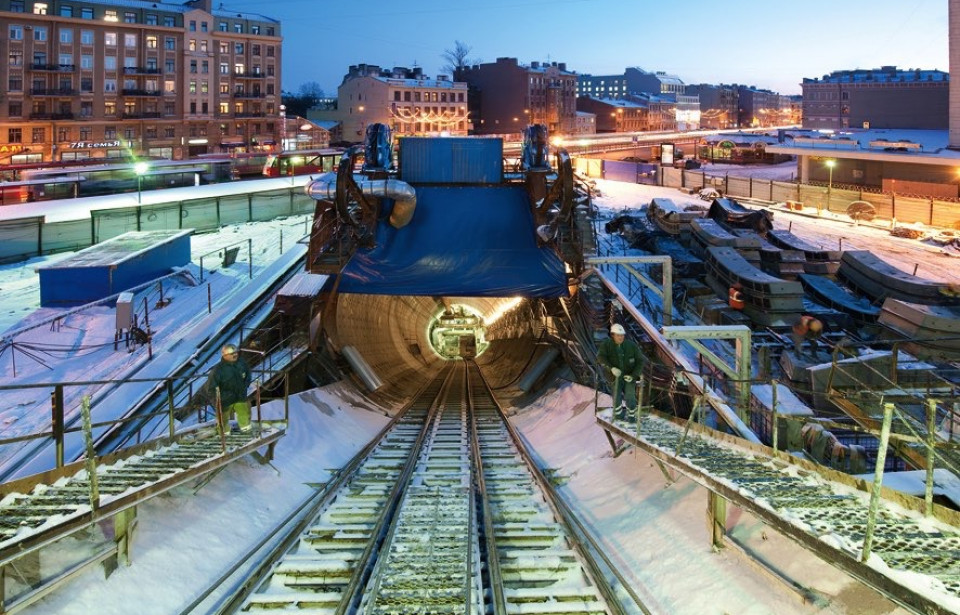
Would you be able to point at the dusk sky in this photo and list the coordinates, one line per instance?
(770, 44)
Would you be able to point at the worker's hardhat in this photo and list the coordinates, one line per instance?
(617, 329)
(229, 349)
(815, 325)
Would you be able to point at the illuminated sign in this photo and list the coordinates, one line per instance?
(11, 149)
(93, 144)
(666, 154)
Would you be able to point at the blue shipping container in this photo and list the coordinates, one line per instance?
(113, 266)
(451, 160)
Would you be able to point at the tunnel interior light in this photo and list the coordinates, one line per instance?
(458, 332)
(501, 310)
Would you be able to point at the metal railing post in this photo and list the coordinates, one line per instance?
(931, 451)
(877, 481)
(250, 255)
(172, 407)
(773, 414)
(91, 453)
(56, 407)
(286, 397)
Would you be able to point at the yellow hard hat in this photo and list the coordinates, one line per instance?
(229, 349)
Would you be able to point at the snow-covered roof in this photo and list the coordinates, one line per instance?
(918, 146)
(621, 103)
(422, 83)
(884, 74)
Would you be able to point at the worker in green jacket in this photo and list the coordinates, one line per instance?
(622, 364)
(232, 377)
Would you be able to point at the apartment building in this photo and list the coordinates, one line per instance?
(661, 92)
(616, 115)
(402, 98)
(885, 97)
(98, 79)
(506, 96)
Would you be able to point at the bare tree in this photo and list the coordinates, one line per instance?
(312, 89)
(457, 59)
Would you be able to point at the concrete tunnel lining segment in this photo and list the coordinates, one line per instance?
(391, 333)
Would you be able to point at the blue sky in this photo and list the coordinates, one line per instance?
(769, 43)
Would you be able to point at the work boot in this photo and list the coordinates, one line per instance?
(621, 413)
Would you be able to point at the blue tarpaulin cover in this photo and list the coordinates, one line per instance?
(462, 241)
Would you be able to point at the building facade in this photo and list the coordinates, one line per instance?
(506, 96)
(615, 115)
(586, 123)
(886, 97)
(402, 98)
(718, 105)
(660, 92)
(758, 107)
(98, 79)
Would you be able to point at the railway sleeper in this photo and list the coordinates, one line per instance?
(302, 601)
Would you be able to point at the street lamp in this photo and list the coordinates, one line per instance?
(283, 125)
(140, 168)
(830, 164)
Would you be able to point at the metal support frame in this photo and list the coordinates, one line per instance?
(726, 413)
(740, 371)
(717, 518)
(664, 291)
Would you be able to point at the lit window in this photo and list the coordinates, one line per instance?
(110, 39)
(39, 8)
(110, 15)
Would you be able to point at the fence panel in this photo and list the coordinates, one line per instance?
(946, 214)
(591, 167)
(109, 223)
(620, 171)
(910, 209)
(200, 214)
(302, 204)
(63, 236)
(738, 186)
(160, 217)
(883, 203)
(234, 209)
(695, 180)
(270, 205)
(670, 177)
(20, 239)
(782, 191)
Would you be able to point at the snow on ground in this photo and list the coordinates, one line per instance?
(74, 345)
(657, 534)
(831, 231)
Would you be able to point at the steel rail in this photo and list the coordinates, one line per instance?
(581, 541)
(287, 531)
(492, 557)
(238, 595)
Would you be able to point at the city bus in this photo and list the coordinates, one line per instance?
(302, 162)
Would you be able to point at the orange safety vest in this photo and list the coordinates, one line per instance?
(735, 298)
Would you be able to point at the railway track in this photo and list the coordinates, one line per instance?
(444, 514)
